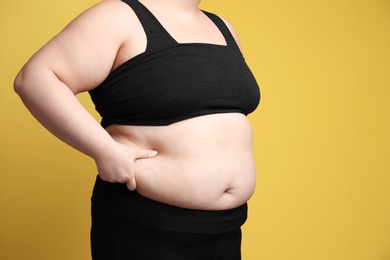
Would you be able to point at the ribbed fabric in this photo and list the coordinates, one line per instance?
(172, 81)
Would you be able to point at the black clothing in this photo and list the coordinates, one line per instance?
(117, 199)
(117, 238)
(174, 81)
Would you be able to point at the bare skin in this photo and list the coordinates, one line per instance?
(202, 163)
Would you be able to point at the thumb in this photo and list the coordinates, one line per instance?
(131, 184)
(147, 154)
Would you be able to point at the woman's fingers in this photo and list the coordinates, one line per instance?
(131, 184)
(117, 166)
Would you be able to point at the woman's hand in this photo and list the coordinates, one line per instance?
(116, 164)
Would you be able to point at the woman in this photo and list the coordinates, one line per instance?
(174, 148)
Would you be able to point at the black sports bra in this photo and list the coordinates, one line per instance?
(170, 81)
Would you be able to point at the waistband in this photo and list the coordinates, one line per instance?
(117, 199)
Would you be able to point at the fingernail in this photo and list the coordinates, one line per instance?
(154, 152)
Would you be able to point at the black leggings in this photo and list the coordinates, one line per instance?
(117, 238)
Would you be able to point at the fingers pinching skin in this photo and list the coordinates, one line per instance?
(144, 154)
(116, 165)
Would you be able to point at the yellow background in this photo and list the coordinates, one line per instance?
(322, 141)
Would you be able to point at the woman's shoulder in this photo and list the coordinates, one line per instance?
(85, 50)
(110, 11)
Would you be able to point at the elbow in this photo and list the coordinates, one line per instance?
(19, 83)
(26, 80)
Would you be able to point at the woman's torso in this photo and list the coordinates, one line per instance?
(204, 162)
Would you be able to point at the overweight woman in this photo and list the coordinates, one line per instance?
(174, 148)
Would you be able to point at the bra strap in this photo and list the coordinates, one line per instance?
(157, 39)
(231, 42)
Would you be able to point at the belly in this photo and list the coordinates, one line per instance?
(203, 163)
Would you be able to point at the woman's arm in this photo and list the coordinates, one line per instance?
(76, 60)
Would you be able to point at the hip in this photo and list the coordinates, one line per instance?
(116, 199)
